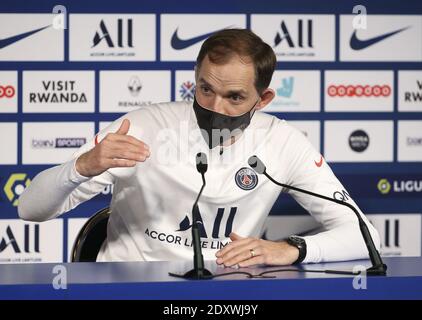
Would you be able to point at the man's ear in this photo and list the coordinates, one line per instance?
(196, 73)
(266, 97)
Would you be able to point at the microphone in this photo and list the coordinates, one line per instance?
(378, 267)
(198, 272)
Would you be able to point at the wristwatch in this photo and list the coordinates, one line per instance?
(299, 243)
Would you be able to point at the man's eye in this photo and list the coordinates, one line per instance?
(205, 89)
(236, 97)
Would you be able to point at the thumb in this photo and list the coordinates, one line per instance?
(124, 127)
(235, 236)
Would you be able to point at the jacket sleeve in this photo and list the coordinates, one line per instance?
(61, 188)
(341, 238)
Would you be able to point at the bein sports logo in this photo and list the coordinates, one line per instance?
(7, 92)
(58, 143)
(359, 91)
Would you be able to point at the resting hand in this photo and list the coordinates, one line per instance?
(246, 252)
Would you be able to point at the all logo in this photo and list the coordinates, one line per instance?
(392, 233)
(297, 37)
(29, 245)
(304, 37)
(121, 41)
(112, 37)
(115, 41)
(186, 225)
(246, 179)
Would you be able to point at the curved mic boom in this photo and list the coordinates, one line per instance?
(378, 267)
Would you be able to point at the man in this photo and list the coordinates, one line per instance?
(149, 156)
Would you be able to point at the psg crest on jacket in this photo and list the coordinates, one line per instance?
(246, 178)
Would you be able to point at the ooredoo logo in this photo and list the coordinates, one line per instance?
(7, 91)
(359, 91)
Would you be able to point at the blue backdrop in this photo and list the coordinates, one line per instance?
(360, 178)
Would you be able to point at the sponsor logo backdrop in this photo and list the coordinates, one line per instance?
(351, 84)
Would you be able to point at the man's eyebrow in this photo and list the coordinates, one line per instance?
(239, 92)
(205, 82)
(231, 92)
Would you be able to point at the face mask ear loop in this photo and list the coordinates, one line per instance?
(212, 129)
(254, 109)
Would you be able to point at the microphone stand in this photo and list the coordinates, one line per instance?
(378, 267)
(198, 272)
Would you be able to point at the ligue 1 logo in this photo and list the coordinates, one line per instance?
(246, 178)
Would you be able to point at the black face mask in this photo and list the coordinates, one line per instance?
(216, 128)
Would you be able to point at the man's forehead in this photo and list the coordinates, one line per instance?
(244, 64)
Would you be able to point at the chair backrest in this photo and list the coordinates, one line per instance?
(90, 238)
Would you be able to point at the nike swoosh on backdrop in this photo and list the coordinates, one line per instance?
(11, 40)
(180, 44)
(357, 44)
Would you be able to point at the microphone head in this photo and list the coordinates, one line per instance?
(256, 164)
(201, 162)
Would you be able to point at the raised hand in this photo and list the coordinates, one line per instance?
(116, 150)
